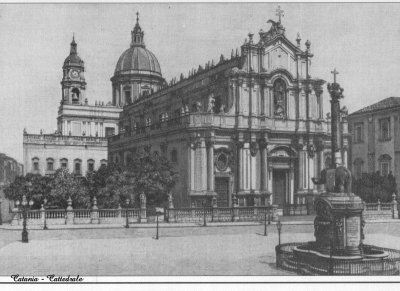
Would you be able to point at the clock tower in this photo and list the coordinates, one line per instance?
(73, 82)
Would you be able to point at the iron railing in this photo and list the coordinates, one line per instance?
(286, 259)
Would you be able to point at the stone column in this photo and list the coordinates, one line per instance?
(191, 162)
(291, 184)
(270, 190)
(203, 165)
(264, 166)
(239, 175)
(70, 212)
(253, 166)
(345, 157)
(301, 168)
(210, 168)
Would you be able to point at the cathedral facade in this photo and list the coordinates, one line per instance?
(80, 141)
(250, 127)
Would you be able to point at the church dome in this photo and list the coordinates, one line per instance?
(137, 59)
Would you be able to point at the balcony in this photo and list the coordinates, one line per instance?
(207, 120)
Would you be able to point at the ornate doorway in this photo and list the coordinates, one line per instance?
(280, 187)
(222, 189)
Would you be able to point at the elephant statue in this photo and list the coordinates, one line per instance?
(342, 180)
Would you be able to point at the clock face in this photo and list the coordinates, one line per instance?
(74, 74)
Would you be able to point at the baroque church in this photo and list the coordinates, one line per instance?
(80, 141)
(249, 129)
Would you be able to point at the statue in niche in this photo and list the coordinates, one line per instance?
(279, 98)
(197, 107)
(211, 103)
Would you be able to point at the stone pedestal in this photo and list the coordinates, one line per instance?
(338, 224)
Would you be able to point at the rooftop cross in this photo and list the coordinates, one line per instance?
(280, 13)
(137, 17)
(334, 72)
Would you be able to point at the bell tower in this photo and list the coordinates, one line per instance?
(73, 82)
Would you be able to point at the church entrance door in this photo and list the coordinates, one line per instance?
(279, 187)
(222, 189)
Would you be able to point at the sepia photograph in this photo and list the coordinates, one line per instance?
(182, 141)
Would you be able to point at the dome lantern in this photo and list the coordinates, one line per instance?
(137, 34)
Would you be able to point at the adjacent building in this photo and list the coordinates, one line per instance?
(249, 128)
(9, 170)
(80, 141)
(375, 138)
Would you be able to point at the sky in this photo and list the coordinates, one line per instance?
(360, 40)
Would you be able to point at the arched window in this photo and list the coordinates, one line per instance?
(35, 165)
(385, 164)
(358, 168)
(127, 92)
(78, 167)
(279, 98)
(50, 164)
(75, 95)
(174, 156)
(148, 121)
(64, 163)
(90, 165)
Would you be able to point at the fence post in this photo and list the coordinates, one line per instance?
(15, 219)
(171, 211)
(379, 205)
(70, 212)
(94, 214)
(235, 216)
(143, 217)
(119, 213)
(274, 212)
(395, 213)
(42, 215)
(213, 207)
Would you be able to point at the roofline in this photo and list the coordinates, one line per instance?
(373, 111)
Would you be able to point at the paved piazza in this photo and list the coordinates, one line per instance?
(233, 250)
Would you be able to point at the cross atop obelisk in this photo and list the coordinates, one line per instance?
(334, 73)
(280, 13)
(137, 17)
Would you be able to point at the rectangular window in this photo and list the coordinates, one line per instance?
(358, 133)
(36, 166)
(385, 168)
(50, 166)
(91, 167)
(384, 126)
(77, 168)
(63, 165)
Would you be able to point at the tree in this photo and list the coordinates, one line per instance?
(372, 186)
(33, 186)
(119, 186)
(154, 175)
(67, 185)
